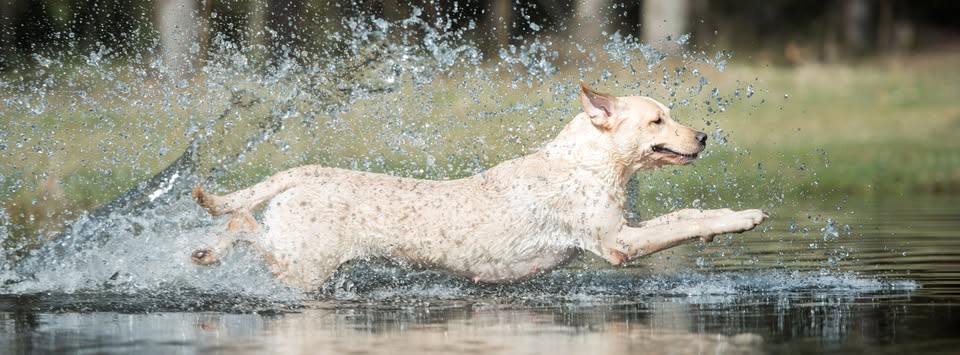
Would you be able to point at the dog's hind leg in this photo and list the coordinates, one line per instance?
(254, 195)
(237, 200)
(241, 223)
(212, 256)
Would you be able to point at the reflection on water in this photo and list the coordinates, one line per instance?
(751, 324)
(891, 287)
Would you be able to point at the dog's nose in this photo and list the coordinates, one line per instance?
(702, 138)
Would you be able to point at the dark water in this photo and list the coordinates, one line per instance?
(876, 276)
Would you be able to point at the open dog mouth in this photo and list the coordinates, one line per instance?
(659, 148)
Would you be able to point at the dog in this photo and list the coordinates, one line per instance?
(515, 221)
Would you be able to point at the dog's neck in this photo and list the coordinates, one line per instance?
(592, 150)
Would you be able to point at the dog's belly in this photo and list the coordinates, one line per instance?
(520, 268)
(314, 227)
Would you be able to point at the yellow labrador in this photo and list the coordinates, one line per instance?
(517, 220)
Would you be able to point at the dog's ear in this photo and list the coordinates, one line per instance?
(600, 107)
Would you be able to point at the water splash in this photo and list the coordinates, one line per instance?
(410, 97)
(378, 282)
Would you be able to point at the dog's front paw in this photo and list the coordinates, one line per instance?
(734, 222)
(204, 257)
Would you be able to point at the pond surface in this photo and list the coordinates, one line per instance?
(876, 276)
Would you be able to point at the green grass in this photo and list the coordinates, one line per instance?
(883, 127)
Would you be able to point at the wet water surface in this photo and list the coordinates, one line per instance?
(886, 282)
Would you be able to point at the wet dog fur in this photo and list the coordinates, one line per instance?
(519, 219)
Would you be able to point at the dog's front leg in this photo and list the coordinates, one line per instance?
(684, 214)
(633, 242)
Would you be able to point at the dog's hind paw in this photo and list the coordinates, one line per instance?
(210, 202)
(204, 257)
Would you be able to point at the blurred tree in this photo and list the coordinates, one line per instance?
(393, 10)
(857, 31)
(788, 31)
(10, 12)
(178, 26)
(848, 31)
(286, 24)
(664, 21)
(500, 21)
(591, 19)
(895, 30)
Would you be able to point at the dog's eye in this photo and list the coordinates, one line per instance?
(659, 120)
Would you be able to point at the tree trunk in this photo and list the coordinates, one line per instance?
(500, 21)
(285, 17)
(394, 10)
(591, 20)
(9, 11)
(256, 25)
(856, 26)
(664, 21)
(177, 22)
(205, 27)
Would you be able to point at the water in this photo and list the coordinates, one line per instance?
(896, 292)
(97, 225)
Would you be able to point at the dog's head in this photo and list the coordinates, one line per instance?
(641, 129)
